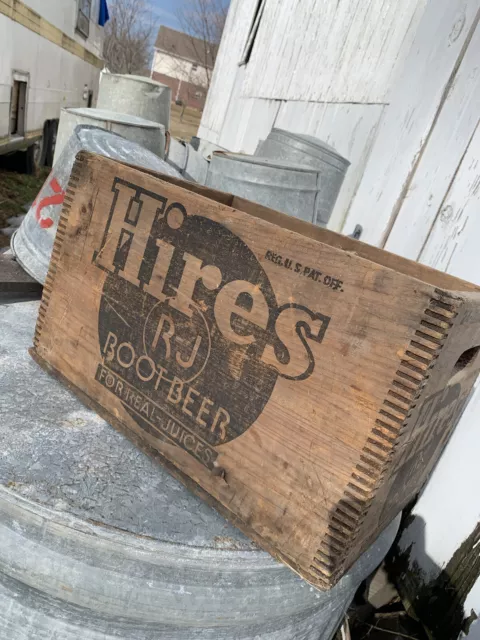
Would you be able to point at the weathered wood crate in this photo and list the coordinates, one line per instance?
(302, 382)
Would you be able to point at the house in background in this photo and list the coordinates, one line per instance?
(185, 64)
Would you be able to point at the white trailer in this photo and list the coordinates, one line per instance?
(50, 58)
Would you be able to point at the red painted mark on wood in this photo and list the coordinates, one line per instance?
(58, 198)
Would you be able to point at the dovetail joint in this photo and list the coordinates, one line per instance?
(56, 253)
(405, 389)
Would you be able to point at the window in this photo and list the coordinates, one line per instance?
(83, 17)
(194, 67)
(252, 34)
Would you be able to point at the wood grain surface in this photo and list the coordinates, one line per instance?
(304, 381)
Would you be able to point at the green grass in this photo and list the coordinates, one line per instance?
(16, 190)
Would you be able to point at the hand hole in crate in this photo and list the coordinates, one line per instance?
(465, 359)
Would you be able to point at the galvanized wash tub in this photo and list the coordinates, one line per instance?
(146, 133)
(33, 242)
(309, 151)
(279, 185)
(97, 542)
(187, 160)
(135, 95)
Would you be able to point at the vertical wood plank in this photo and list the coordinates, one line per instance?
(247, 120)
(420, 92)
(453, 243)
(441, 159)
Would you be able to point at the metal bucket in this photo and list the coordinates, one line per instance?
(146, 133)
(309, 151)
(187, 160)
(33, 242)
(99, 542)
(279, 185)
(135, 95)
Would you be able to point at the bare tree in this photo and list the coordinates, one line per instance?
(204, 21)
(128, 37)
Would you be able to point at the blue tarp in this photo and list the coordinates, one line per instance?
(103, 17)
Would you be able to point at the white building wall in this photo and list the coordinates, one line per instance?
(56, 77)
(419, 95)
(299, 78)
(63, 15)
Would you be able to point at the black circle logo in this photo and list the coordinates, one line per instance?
(171, 349)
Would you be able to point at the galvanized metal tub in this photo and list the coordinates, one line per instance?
(146, 133)
(309, 151)
(33, 242)
(279, 185)
(98, 542)
(135, 95)
(187, 160)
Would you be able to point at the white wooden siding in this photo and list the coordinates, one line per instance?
(419, 94)
(454, 242)
(440, 161)
(235, 34)
(330, 51)
(247, 120)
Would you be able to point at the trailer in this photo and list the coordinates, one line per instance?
(50, 58)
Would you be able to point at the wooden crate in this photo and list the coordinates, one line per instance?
(300, 381)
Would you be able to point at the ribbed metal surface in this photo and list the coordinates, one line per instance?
(309, 151)
(33, 242)
(135, 95)
(274, 183)
(146, 133)
(98, 542)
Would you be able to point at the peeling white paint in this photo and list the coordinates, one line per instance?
(325, 51)
(416, 100)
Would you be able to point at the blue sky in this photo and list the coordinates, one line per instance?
(164, 12)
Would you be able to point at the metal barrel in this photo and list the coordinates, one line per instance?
(99, 542)
(32, 243)
(146, 133)
(311, 152)
(276, 184)
(187, 160)
(135, 95)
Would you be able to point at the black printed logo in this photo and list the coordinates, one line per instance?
(191, 335)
